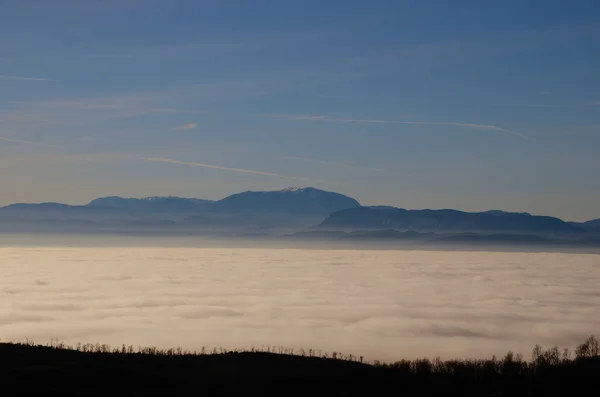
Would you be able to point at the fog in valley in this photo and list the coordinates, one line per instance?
(382, 304)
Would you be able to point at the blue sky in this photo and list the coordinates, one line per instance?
(472, 105)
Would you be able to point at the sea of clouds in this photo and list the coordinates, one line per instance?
(385, 305)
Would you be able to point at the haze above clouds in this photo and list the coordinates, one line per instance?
(381, 304)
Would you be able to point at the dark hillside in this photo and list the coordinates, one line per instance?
(96, 370)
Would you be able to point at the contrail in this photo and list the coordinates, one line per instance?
(231, 169)
(216, 167)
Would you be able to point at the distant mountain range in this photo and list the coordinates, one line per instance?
(291, 207)
(305, 201)
(445, 220)
(593, 225)
(299, 201)
(151, 204)
(463, 240)
(293, 213)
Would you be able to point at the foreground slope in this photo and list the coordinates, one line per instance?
(98, 371)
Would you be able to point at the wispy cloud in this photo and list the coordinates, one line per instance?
(300, 117)
(479, 127)
(533, 105)
(213, 49)
(185, 127)
(26, 142)
(126, 106)
(330, 163)
(21, 78)
(179, 50)
(88, 111)
(328, 118)
(505, 43)
(550, 106)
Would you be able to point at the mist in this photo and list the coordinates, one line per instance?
(381, 304)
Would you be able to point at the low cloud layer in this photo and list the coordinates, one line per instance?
(381, 304)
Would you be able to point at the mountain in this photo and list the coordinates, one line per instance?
(296, 201)
(283, 209)
(445, 220)
(592, 225)
(285, 212)
(308, 200)
(34, 211)
(154, 204)
(395, 239)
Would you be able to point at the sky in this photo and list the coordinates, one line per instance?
(472, 105)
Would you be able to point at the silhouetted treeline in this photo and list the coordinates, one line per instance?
(29, 369)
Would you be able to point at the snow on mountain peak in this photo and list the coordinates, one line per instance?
(294, 189)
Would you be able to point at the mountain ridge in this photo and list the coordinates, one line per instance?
(445, 219)
(290, 200)
(292, 207)
(150, 203)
